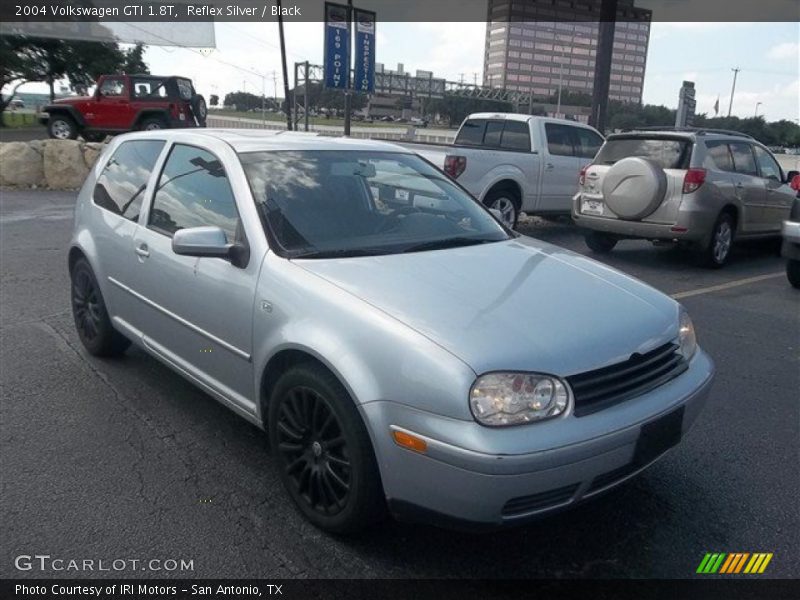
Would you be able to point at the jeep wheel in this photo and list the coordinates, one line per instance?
(61, 127)
(199, 109)
(152, 124)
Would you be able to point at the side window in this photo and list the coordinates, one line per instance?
(193, 190)
(494, 129)
(587, 142)
(120, 187)
(113, 86)
(719, 156)
(471, 133)
(766, 165)
(148, 88)
(516, 136)
(743, 160)
(559, 140)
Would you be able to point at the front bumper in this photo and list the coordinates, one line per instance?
(461, 481)
(791, 240)
(694, 223)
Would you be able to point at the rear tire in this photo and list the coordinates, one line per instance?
(62, 127)
(507, 202)
(602, 243)
(323, 451)
(92, 322)
(716, 253)
(152, 124)
(793, 273)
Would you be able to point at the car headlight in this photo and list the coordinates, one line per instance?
(687, 340)
(500, 399)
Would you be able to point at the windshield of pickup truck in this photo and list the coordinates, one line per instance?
(667, 153)
(322, 204)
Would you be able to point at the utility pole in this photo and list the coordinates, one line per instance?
(474, 79)
(348, 100)
(602, 66)
(275, 87)
(755, 114)
(733, 89)
(285, 72)
(461, 78)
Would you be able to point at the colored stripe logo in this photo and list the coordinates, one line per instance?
(734, 563)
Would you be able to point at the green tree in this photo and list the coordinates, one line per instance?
(455, 107)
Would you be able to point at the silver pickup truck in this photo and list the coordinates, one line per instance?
(517, 163)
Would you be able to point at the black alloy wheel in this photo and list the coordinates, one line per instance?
(324, 453)
(314, 451)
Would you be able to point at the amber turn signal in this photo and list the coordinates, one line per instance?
(406, 440)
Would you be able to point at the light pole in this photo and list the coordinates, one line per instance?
(757, 105)
(733, 89)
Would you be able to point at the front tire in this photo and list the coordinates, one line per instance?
(718, 250)
(323, 451)
(92, 322)
(61, 127)
(602, 243)
(793, 273)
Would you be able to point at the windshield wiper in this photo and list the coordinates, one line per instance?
(339, 253)
(452, 242)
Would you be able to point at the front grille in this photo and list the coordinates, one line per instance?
(540, 501)
(601, 388)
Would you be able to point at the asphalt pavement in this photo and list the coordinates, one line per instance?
(123, 459)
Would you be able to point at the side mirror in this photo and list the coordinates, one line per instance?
(497, 214)
(201, 241)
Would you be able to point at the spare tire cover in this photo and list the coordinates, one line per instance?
(634, 187)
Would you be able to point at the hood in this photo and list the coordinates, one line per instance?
(515, 305)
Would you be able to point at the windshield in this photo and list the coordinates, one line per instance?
(324, 203)
(667, 153)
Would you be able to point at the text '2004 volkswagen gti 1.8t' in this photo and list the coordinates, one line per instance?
(400, 346)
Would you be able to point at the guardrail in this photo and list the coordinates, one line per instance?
(408, 133)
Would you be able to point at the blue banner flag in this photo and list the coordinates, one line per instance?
(337, 46)
(365, 51)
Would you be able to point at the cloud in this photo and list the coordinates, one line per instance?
(785, 50)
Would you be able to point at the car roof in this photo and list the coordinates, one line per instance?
(255, 140)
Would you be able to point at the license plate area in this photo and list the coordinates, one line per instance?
(592, 207)
(656, 437)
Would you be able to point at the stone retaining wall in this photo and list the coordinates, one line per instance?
(54, 164)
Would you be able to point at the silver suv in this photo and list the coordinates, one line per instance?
(703, 187)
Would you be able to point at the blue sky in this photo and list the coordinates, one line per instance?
(767, 54)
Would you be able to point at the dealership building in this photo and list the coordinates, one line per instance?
(533, 45)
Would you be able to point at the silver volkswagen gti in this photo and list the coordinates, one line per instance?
(400, 347)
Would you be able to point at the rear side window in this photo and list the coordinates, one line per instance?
(743, 160)
(148, 88)
(559, 139)
(767, 165)
(587, 142)
(516, 136)
(719, 156)
(471, 133)
(665, 152)
(193, 190)
(184, 89)
(120, 187)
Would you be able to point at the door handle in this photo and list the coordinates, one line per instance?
(548, 167)
(142, 250)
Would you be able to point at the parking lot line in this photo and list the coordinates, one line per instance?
(725, 286)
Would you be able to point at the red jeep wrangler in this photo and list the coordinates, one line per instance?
(126, 103)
